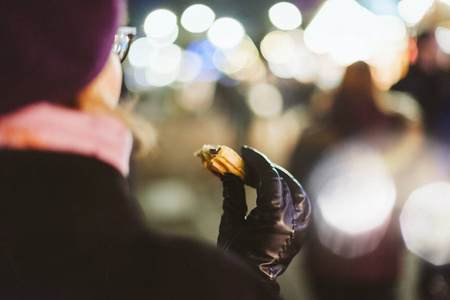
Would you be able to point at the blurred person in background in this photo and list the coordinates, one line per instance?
(428, 81)
(355, 159)
(69, 226)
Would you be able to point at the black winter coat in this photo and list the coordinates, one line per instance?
(69, 229)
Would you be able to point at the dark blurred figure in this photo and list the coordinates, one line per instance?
(434, 282)
(429, 84)
(344, 261)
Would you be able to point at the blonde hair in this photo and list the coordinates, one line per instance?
(97, 99)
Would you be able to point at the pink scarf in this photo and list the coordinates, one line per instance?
(47, 127)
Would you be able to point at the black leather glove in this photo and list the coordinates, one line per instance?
(273, 233)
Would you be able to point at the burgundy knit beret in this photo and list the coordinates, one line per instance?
(51, 49)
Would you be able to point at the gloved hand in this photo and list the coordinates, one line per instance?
(273, 233)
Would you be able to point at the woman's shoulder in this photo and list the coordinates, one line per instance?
(183, 268)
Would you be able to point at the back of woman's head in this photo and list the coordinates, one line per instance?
(52, 49)
(357, 80)
(354, 107)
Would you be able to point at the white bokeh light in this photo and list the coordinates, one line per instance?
(350, 32)
(160, 23)
(443, 38)
(355, 196)
(226, 33)
(165, 40)
(389, 28)
(141, 50)
(197, 18)
(167, 59)
(285, 16)
(425, 223)
(412, 11)
(160, 79)
(356, 191)
(301, 65)
(135, 79)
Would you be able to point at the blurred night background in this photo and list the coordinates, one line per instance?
(368, 141)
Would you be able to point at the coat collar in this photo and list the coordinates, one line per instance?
(48, 127)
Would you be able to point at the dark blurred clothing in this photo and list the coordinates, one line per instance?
(361, 262)
(70, 230)
(432, 92)
(434, 282)
(372, 275)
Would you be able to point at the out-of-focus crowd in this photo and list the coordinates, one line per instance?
(375, 164)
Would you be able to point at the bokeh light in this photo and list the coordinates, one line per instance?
(197, 18)
(329, 72)
(160, 23)
(425, 223)
(235, 59)
(277, 47)
(355, 195)
(226, 33)
(165, 40)
(350, 32)
(285, 16)
(301, 65)
(197, 97)
(265, 100)
(166, 59)
(389, 28)
(190, 67)
(158, 79)
(135, 79)
(342, 28)
(141, 50)
(252, 74)
(168, 200)
(204, 49)
(443, 38)
(412, 11)
(354, 189)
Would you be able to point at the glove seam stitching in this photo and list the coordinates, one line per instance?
(283, 249)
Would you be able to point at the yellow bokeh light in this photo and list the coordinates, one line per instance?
(277, 47)
(235, 59)
(265, 100)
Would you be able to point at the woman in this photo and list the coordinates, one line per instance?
(351, 160)
(69, 227)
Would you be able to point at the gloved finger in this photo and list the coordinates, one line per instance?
(301, 213)
(234, 208)
(234, 205)
(261, 173)
(299, 197)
